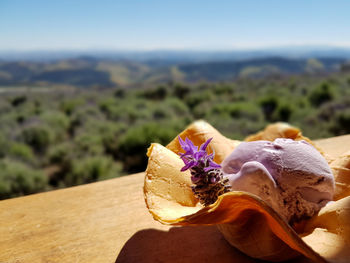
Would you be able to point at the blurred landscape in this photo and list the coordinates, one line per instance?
(134, 69)
(68, 118)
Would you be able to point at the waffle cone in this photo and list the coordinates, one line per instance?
(247, 222)
(341, 171)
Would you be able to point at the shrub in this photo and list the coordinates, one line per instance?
(239, 110)
(3, 145)
(178, 106)
(87, 143)
(115, 111)
(268, 106)
(134, 143)
(38, 136)
(58, 122)
(181, 91)
(5, 106)
(321, 94)
(197, 98)
(38, 108)
(284, 112)
(21, 151)
(159, 114)
(17, 178)
(105, 105)
(68, 106)
(223, 89)
(60, 153)
(91, 169)
(18, 100)
(8, 124)
(341, 123)
(158, 93)
(84, 115)
(108, 133)
(119, 93)
(24, 112)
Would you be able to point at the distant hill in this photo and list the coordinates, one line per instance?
(180, 56)
(97, 72)
(218, 71)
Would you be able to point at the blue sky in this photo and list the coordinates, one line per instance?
(180, 24)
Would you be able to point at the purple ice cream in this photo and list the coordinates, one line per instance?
(291, 176)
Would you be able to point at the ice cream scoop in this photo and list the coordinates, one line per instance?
(291, 176)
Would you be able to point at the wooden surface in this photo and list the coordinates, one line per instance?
(108, 222)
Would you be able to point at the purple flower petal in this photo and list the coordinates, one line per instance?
(207, 169)
(210, 156)
(192, 147)
(194, 157)
(182, 155)
(182, 143)
(212, 166)
(204, 145)
(199, 155)
(185, 155)
(185, 160)
(188, 165)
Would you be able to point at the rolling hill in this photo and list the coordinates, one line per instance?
(98, 72)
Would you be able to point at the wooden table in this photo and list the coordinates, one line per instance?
(108, 222)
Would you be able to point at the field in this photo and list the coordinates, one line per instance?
(58, 137)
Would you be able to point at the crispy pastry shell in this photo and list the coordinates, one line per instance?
(246, 221)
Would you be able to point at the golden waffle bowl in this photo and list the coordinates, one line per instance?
(246, 221)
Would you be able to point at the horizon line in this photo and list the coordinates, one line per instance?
(184, 49)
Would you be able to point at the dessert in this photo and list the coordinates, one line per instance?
(247, 222)
(291, 176)
(284, 130)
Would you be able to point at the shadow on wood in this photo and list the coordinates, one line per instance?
(180, 244)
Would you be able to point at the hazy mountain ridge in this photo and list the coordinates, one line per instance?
(88, 71)
(179, 56)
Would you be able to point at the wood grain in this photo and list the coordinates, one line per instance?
(108, 222)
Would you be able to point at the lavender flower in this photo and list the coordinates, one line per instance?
(205, 173)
